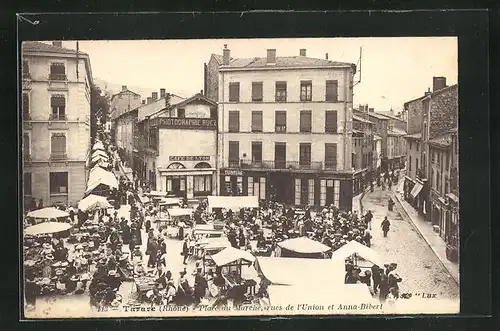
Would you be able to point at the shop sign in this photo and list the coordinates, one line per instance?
(185, 123)
(189, 158)
(228, 172)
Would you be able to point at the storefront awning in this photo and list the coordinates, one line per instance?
(416, 190)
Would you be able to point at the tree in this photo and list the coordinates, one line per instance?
(100, 103)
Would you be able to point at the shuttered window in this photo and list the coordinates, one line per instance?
(331, 121)
(305, 121)
(331, 156)
(280, 121)
(332, 90)
(304, 154)
(257, 91)
(58, 145)
(26, 106)
(27, 184)
(256, 121)
(256, 152)
(234, 121)
(234, 153)
(234, 92)
(26, 144)
(57, 71)
(58, 183)
(306, 90)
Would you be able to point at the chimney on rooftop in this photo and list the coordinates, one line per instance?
(371, 110)
(438, 83)
(154, 96)
(124, 88)
(428, 91)
(57, 43)
(148, 100)
(302, 52)
(326, 56)
(162, 93)
(143, 102)
(226, 55)
(201, 92)
(271, 56)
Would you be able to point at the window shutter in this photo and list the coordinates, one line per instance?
(26, 144)
(331, 121)
(57, 69)
(257, 121)
(257, 91)
(234, 91)
(57, 101)
(332, 90)
(58, 144)
(234, 121)
(305, 121)
(234, 151)
(331, 155)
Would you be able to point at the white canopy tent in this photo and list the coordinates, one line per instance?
(230, 254)
(47, 228)
(156, 194)
(93, 202)
(98, 146)
(233, 203)
(304, 245)
(48, 213)
(354, 247)
(99, 153)
(170, 201)
(100, 176)
(174, 212)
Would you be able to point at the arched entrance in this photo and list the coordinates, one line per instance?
(176, 185)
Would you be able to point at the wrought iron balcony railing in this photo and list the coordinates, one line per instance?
(58, 156)
(57, 77)
(278, 164)
(57, 117)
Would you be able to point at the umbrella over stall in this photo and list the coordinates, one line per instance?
(47, 228)
(93, 202)
(48, 213)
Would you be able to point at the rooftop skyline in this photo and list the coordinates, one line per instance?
(393, 70)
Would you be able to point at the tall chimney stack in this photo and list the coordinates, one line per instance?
(271, 56)
(143, 102)
(302, 52)
(438, 83)
(124, 88)
(371, 110)
(148, 100)
(162, 93)
(428, 91)
(326, 56)
(57, 43)
(226, 55)
(154, 96)
(201, 92)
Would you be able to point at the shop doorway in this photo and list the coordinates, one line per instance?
(281, 185)
(304, 192)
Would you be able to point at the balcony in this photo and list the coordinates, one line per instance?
(278, 164)
(57, 117)
(58, 77)
(58, 156)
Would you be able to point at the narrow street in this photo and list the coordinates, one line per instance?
(420, 268)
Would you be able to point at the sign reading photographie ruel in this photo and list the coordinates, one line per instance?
(189, 158)
(185, 123)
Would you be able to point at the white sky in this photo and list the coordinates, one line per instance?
(394, 70)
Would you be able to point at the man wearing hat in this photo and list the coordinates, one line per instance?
(200, 286)
(139, 270)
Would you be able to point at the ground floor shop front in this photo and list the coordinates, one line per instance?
(59, 183)
(416, 192)
(290, 188)
(444, 215)
(195, 183)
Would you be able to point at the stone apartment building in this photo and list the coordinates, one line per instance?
(285, 128)
(56, 92)
(362, 156)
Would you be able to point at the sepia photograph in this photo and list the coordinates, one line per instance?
(240, 177)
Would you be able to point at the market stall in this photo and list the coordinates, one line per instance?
(100, 178)
(207, 231)
(361, 255)
(48, 213)
(206, 247)
(163, 217)
(92, 202)
(233, 203)
(302, 247)
(47, 228)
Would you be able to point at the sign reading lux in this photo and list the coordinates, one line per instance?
(186, 123)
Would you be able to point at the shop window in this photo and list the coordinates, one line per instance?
(27, 187)
(250, 186)
(332, 90)
(336, 193)
(311, 192)
(58, 183)
(297, 191)
(280, 92)
(234, 92)
(202, 184)
(322, 197)
(58, 105)
(257, 91)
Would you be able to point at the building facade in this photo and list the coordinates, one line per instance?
(362, 157)
(377, 155)
(56, 92)
(123, 102)
(285, 129)
(182, 147)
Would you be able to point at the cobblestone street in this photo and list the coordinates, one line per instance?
(420, 268)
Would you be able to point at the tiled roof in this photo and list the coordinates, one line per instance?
(36, 46)
(283, 61)
(361, 119)
(442, 141)
(396, 132)
(417, 135)
(379, 116)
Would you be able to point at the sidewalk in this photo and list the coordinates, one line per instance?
(357, 205)
(435, 242)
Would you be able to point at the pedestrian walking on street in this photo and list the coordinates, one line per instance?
(185, 250)
(368, 219)
(376, 276)
(385, 226)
